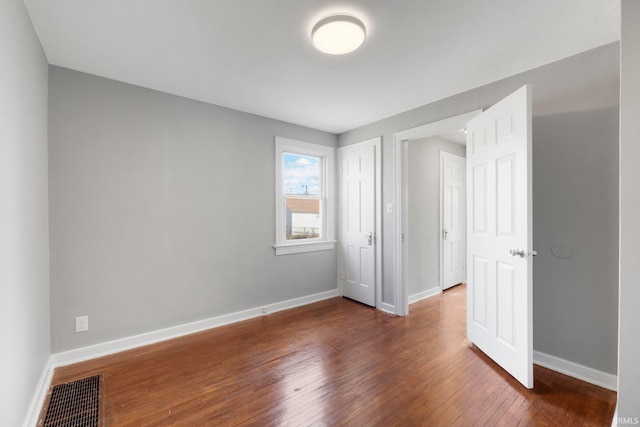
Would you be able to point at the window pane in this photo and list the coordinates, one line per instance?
(303, 218)
(302, 175)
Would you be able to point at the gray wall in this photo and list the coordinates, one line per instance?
(424, 211)
(575, 231)
(162, 211)
(629, 350)
(587, 83)
(24, 241)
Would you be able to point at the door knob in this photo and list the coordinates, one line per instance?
(370, 237)
(517, 252)
(445, 234)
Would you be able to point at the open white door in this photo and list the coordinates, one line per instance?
(454, 219)
(499, 229)
(358, 223)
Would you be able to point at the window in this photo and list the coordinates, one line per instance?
(304, 197)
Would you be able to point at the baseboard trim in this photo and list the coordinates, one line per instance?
(103, 349)
(584, 373)
(128, 343)
(424, 295)
(387, 308)
(33, 414)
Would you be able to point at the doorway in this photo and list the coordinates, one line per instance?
(402, 141)
(436, 214)
(499, 251)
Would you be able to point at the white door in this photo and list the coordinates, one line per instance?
(499, 293)
(454, 220)
(358, 222)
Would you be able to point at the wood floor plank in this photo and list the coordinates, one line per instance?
(336, 363)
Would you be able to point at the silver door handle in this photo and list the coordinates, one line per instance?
(370, 237)
(520, 252)
(517, 252)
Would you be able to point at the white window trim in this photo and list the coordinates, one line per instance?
(327, 242)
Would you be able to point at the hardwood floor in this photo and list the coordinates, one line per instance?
(336, 363)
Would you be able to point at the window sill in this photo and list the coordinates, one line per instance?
(294, 248)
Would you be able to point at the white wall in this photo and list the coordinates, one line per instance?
(424, 211)
(24, 242)
(163, 211)
(629, 320)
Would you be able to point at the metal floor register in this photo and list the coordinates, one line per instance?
(74, 404)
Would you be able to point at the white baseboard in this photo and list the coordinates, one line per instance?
(116, 346)
(424, 294)
(388, 308)
(566, 367)
(128, 343)
(584, 373)
(33, 414)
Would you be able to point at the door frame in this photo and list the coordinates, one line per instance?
(447, 155)
(377, 238)
(401, 140)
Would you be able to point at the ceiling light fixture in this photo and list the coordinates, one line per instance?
(338, 34)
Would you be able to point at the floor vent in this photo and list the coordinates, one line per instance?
(74, 404)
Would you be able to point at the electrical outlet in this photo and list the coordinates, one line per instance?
(82, 323)
(265, 310)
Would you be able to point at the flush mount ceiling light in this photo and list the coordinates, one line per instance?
(338, 34)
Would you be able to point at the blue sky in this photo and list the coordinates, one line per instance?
(301, 171)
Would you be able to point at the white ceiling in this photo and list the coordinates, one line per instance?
(256, 55)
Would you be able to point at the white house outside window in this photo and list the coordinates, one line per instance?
(304, 197)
